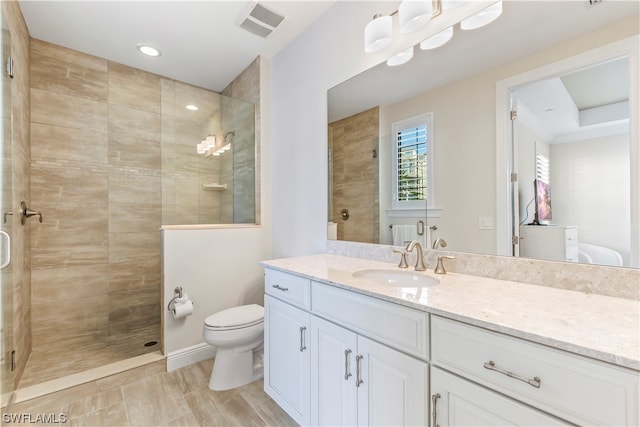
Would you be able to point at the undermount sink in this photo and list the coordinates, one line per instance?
(399, 278)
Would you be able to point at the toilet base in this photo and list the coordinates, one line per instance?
(233, 368)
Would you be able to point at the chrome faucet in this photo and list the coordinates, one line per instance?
(420, 257)
(439, 243)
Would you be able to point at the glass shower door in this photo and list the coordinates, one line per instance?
(6, 220)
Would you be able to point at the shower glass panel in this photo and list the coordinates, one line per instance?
(6, 276)
(208, 157)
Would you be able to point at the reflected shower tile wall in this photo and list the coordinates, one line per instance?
(352, 179)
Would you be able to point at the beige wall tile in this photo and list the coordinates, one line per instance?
(59, 70)
(82, 316)
(64, 143)
(68, 111)
(133, 88)
(51, 285)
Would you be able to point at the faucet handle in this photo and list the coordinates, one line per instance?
(403, 258)
(440, 265)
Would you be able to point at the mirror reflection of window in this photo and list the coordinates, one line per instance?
(411, 160)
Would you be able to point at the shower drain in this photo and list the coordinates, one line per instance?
(150, 343)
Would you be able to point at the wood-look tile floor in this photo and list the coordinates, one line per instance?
(148, 396)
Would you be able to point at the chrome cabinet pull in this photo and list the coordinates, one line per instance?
(347, 367)
(535, 382)
(303, 344)
(358, 370)
(280, 288)
(434, 403)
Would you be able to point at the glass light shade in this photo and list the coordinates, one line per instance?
(414, 14)
(210, 141)
(437, 40)
(482, 18)
(400, 57)
(201, 148)
(377, 34)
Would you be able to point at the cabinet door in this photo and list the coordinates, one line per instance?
(458, 402)
(333, 386)
(286, 358)
(392, 387)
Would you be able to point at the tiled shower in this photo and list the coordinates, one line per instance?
(113, 158)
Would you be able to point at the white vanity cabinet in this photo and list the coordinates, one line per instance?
(356, 381)
(458, 402)
(572, 388)
(287, 357)
(335, 357)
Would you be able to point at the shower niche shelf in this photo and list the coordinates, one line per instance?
(214, 187)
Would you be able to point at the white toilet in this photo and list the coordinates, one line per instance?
(237, 333)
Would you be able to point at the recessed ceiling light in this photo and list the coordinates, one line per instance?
(145, 49)
(191, 107)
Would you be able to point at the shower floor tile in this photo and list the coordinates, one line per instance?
(71, 357)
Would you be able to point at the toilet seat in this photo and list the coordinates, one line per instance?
(239, 317)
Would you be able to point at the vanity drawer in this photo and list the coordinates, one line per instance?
(399, 327)
(574, 388)
(288, 287)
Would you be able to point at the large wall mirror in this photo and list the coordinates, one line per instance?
(573, 142)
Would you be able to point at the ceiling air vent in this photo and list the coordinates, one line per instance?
(259, 20)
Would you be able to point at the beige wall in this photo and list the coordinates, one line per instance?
(19, 270)
(355, 176)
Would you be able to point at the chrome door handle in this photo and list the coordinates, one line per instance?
(303, 345)
(347, 367)
(6, 248)
(434, 403)
(358, 370)
(535, 382)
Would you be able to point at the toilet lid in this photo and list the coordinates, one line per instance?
(244, 315)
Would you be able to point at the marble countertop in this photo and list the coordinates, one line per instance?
(599, 327)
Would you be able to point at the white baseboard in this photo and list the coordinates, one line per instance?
(189, 355)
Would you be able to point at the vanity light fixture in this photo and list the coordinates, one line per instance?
(208, 145)
(437, 40)
(400, 57)
(482, 18)
(414, 14)
(191, 107)
(148, 50)
(377, 33)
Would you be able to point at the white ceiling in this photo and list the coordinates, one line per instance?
(200, 41)
(588, 103)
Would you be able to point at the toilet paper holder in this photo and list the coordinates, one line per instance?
(177, 294)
